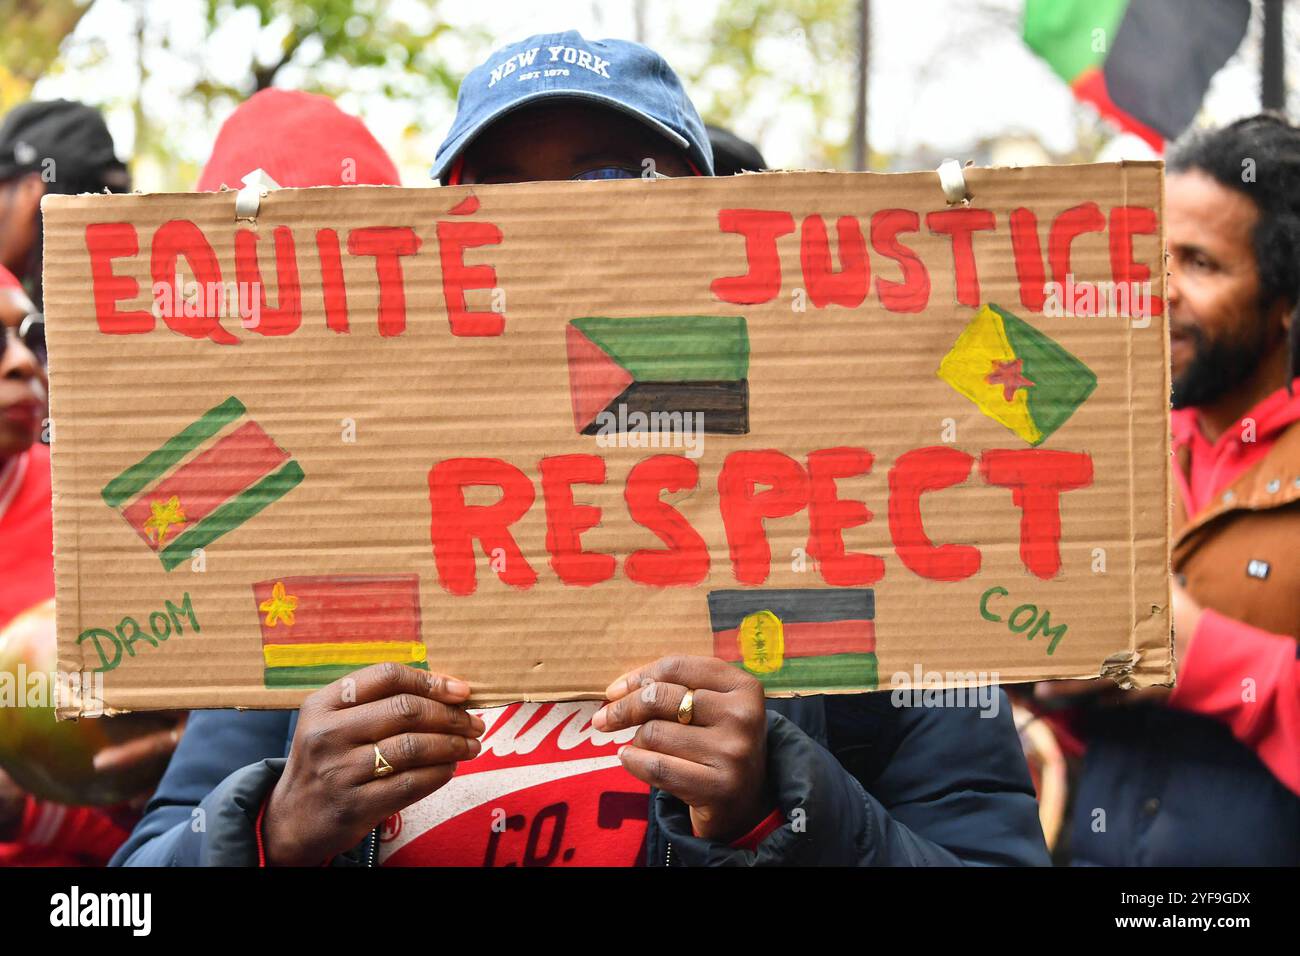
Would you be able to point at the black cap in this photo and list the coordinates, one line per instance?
(732, 155)
(73, 135)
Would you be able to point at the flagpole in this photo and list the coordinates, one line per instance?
(860, 143)
(1272, 79)
(638, 13)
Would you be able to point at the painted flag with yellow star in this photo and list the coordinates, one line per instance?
(1016, 375)
(798, 638)
(316, 629)
(204, 481)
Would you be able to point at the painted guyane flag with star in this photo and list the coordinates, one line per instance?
(1016, 375)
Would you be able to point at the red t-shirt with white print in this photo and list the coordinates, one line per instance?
(547, 789)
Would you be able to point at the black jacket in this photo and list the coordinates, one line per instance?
(860, 782)
(1162, 787)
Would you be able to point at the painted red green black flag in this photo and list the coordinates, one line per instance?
(790, 638)
(1145, 64)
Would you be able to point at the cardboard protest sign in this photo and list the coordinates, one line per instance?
(825, 426)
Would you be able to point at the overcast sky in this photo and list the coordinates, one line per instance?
(941, 76)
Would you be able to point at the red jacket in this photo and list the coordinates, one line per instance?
(53, 834)
(1247, 677)
(26, 533)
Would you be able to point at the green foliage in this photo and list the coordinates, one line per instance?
(324, 46)
(31, 32)
(747, 62)
(354, 33)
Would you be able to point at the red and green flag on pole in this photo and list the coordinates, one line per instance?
(1144, 64)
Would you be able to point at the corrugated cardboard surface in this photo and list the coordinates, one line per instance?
(818, 378)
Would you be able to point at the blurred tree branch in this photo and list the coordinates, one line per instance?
(324, 46)
(33, 31)
(357, 33)
(742, 42)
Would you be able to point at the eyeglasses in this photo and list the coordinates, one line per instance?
(31, 332)
(619, 172)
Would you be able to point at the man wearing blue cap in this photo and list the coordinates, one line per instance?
(618, 104)
(685, 763)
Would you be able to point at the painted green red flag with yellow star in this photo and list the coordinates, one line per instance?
(203, 482)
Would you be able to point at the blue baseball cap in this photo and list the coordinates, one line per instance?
(619, 74)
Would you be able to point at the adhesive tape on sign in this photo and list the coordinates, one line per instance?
(249, 199)
(952, 180)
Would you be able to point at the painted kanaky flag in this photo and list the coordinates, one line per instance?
(816, 638)
(668, 365)
(1144, 64)
(203, 482)
(316, 629)
(1016, 375)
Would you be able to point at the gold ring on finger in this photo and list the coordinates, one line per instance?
(686, 709)
(382, 767)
